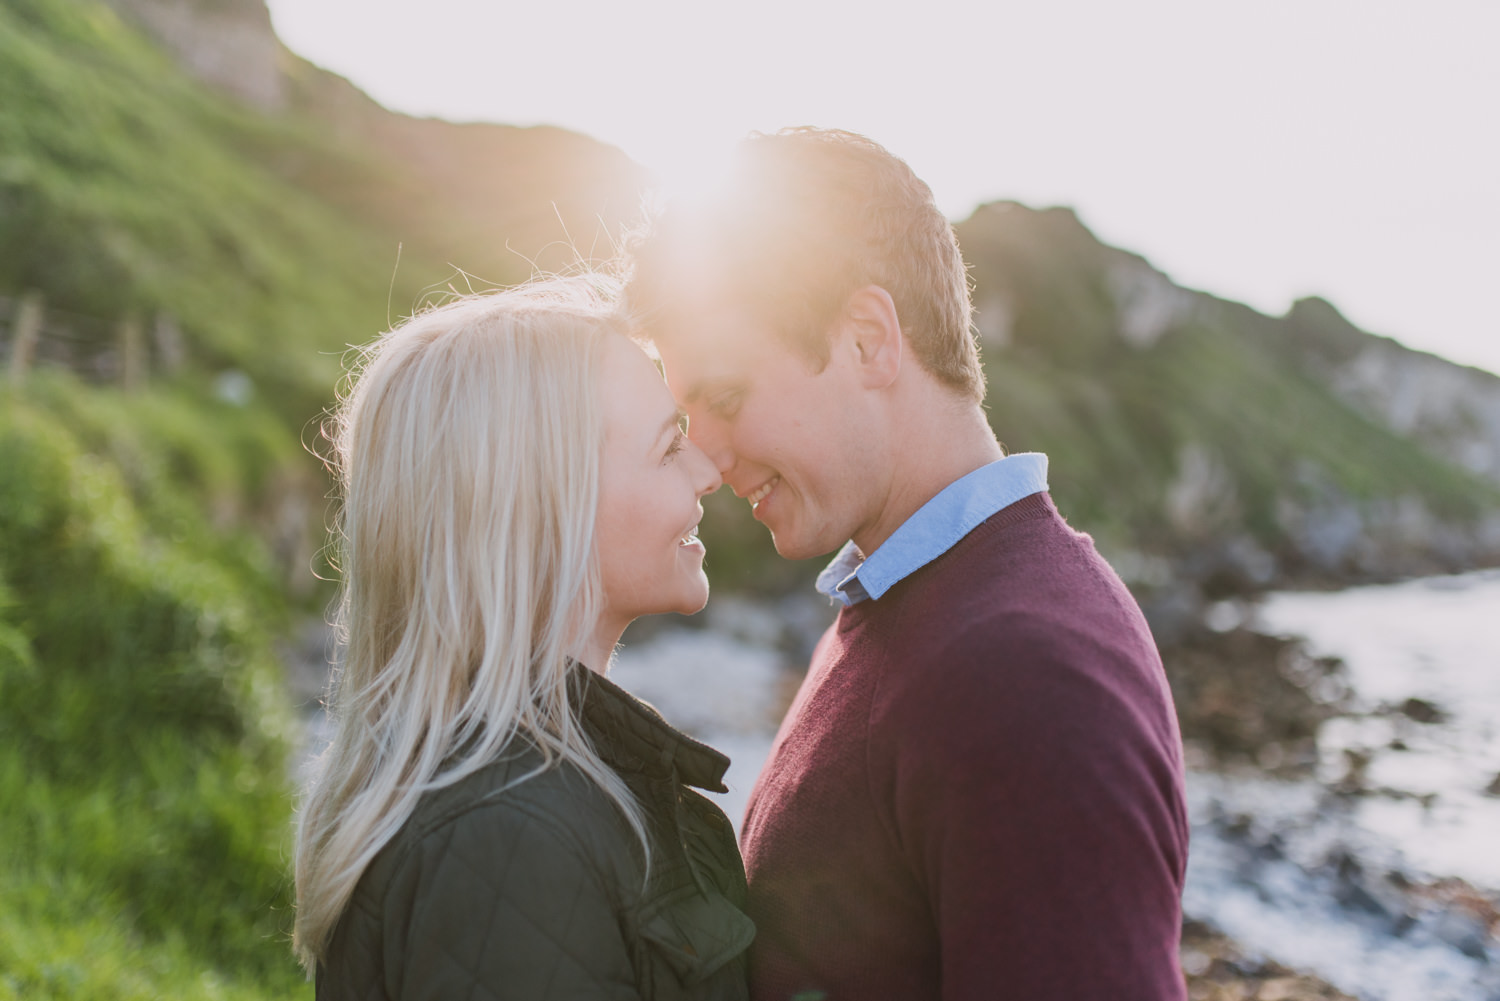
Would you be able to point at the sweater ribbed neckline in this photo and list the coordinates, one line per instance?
(1037, 505)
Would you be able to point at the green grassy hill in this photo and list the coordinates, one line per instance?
(1195, 431)
(149, 538)
(144, 729)
(126, 186)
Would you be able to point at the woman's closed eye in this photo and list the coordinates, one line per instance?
(678, 443)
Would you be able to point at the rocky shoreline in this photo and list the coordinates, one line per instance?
(1218, 969)
(1333, 809)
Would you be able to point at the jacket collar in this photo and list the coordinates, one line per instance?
(630, 735)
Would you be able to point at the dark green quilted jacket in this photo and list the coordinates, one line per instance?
(535, 891)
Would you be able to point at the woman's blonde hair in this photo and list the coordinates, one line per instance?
(467, 452)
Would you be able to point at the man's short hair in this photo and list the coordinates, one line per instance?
(808, 217)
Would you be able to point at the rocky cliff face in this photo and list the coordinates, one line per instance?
(228, 44)
(497, 201)
(1212, 449)
(1451, 409)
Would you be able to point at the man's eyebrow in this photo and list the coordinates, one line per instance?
(712, 386)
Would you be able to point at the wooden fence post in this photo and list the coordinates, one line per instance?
(167, 336)
(26, 329)
(132, 354)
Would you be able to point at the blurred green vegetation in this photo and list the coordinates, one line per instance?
(144, 726)
(127, 187)
(1116, 414)
(154, 544)
(1115, 432)
(144, 729)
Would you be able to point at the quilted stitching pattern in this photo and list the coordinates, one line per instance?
(505, 909)
(535, 891)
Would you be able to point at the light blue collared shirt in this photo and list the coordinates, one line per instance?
(938, 525)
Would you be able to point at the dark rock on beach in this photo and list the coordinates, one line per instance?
(1422, 711)
(1243, 697)
(1219, 970)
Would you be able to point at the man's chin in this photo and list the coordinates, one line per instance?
(789, 547)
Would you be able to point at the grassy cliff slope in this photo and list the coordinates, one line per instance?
(1193, 430)
(146, 536)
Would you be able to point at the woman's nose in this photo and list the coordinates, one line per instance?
(706, 477)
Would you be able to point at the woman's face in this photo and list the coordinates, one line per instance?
(651, 478)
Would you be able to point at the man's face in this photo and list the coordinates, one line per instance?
(785, 437)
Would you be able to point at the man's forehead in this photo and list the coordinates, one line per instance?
(710, 347)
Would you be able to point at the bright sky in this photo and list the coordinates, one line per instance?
(1259, 151)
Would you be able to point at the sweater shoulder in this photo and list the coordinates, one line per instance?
(1023, 613)
(1023, 580)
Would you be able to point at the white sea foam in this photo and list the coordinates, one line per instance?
(1436, 640)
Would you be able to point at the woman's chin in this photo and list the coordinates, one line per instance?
(696, 599)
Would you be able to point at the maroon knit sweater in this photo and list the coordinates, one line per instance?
(978, 792)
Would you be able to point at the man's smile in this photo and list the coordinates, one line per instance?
(759, 493)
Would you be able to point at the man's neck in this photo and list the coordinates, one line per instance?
(930, 452)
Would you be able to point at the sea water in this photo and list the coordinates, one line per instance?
(1352, 874)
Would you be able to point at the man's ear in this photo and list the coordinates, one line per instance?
(874, 336)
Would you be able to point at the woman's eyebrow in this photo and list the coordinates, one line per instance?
(672, 423)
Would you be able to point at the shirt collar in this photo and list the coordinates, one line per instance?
(937, 527)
